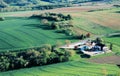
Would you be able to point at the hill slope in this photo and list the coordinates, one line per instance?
(3, 2)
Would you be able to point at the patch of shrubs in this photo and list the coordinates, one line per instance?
(32, 57)
(53, 16)
(68, 31)
(59, 22)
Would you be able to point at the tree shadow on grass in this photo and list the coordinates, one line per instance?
(118, 65)
(67, 38)
(117, 12)
(85, 56)
(38, 26)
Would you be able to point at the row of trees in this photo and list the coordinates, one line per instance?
(82, 36)
(53, 16)
(21, 7)
(44, 55)
(62, 24)
(59, 22)
(56, 25)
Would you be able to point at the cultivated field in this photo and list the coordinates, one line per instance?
(98, 22)
(19, 33)
(72, 68)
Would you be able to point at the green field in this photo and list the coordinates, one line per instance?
(115, 41)
(18, 33)
(72, 68)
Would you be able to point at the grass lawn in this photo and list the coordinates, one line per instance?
(72, 68)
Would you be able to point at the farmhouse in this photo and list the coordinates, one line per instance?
(89, 47)
(92, 48)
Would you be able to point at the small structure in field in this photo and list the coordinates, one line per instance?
(95, 47)
(89, 47)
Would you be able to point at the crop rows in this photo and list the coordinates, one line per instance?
(74, 68)
(23, 33)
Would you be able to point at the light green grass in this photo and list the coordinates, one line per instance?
(115, 41)
(17, 33)
(73, 68)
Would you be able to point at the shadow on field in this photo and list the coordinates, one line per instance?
(67, 38)
(33, 25)
(84, 56)
(118, 65)
(37, 26)
(117, 12)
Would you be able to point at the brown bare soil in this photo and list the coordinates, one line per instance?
(109, 59)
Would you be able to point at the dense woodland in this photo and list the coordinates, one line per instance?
(26, 58)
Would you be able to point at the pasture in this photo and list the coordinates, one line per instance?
(72, 68)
